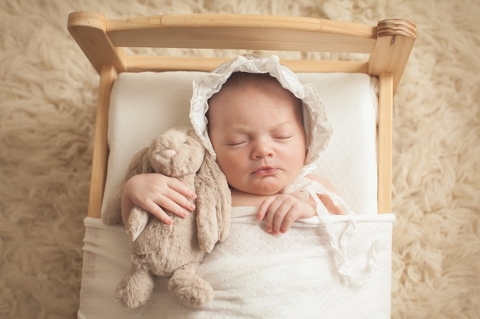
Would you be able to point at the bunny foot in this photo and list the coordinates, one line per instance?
(190, 289)
(136, 287)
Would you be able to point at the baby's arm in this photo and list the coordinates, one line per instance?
(155, 192)
(280, 211)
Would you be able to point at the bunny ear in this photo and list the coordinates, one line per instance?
(138, 165)
(223, 196)
(213, 204)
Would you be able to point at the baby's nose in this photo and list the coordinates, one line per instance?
(169, 153)
(262, 150)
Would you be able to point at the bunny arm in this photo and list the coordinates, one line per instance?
(138, 165)
(137, 221)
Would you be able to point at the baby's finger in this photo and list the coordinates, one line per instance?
(170, 205)
(271, 215)
(287, 222)
(174, 199)
(282, 219)
(159, 213)
(181, 187)
(262, 210)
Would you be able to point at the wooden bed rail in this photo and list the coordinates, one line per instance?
(167, 63)
(388, 44)
(102, 40)
(248, 32)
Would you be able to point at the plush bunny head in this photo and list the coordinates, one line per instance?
(176, 153)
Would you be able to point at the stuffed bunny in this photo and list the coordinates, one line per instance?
(174, 250)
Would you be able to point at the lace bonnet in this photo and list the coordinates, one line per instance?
(317, 128)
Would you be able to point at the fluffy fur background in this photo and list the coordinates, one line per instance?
(47, 105)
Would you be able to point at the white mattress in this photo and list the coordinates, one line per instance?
(144, 105)
(254, 274)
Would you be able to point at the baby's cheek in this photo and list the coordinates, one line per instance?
(230, 175)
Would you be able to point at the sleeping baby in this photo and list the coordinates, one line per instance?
(265, 129)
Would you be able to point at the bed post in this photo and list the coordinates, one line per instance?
(89, 29)
(98, 177)
(395, 39)
(385, 127)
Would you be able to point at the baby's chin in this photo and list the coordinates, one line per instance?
(267, 191)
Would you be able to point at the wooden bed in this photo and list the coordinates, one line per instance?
(388, 44)
(386, 48)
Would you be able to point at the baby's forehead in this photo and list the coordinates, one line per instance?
(243, 80)
(249, 112)
(240, 82)
(252, 98)
(239, 78)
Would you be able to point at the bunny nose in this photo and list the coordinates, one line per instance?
(169, 153)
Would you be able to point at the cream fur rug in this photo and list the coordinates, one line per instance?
(47, 106)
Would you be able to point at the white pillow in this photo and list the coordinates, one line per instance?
(143, 105)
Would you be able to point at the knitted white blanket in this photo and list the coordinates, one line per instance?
(255, 274)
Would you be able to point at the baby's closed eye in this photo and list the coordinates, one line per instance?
(236, 143)
(284, 132)
(235, 139)
(282, 136)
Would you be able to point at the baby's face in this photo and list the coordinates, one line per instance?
(258, 136)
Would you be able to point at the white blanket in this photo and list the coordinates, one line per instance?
(254, 274)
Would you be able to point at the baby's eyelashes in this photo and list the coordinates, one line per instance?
(236, 142)
(283, 137)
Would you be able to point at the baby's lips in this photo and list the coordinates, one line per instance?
(266, 170)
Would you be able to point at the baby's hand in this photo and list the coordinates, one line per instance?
(280, 211)
(156, 192)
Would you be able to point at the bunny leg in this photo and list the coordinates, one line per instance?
(136, 287)
(137, 221)
(189, 288)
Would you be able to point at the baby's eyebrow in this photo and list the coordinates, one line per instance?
(280, 125)
(236, 128)
(243, 128)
